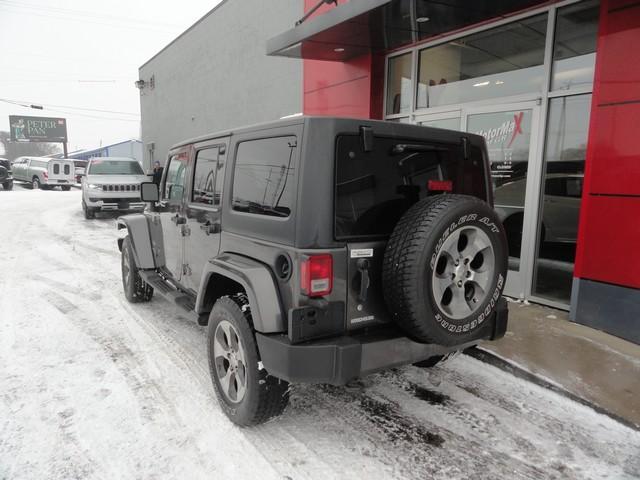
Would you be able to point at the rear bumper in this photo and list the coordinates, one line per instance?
(340, 359)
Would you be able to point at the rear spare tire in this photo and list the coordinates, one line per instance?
(445, 268)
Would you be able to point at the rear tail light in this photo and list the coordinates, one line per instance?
(316, 275)
(440, 185)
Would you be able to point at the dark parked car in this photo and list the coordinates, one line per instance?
(320, 250)
(6, 177)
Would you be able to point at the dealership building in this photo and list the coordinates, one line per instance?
(554, 87)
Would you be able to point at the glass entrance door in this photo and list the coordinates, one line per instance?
(510, 132)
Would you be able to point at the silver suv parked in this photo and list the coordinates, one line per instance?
(44, 173)
(112, 183)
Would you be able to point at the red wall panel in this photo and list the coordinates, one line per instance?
(613, 234)
(610, 210)
(336, 88)
(349, 89)
(619, 49)
(615, 150)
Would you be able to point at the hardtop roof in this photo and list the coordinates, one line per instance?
(406, 129)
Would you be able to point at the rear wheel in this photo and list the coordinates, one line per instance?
(135, 288)
(247, 394)
(65, 188)
(8, 185)
(445, 268)
(35, 183)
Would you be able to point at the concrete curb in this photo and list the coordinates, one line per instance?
(494, 360)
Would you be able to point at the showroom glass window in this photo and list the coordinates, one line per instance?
(564, 157)
(503, 61)
(264, 177)
(204, 179)
(574, 49)
(399, 84)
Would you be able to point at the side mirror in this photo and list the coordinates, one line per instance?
(149, 192)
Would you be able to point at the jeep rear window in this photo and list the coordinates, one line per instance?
(373, 189)
(115, 167)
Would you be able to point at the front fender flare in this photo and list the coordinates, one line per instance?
(259, 284)
(138, 228)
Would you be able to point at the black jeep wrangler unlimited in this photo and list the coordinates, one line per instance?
(320, 250)
(6, 179)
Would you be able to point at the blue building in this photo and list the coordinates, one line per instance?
(129, 148)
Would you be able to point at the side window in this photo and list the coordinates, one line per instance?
(67, 170)
(204, 178)
(555, 186)
(174, 183)
(574, 187)
(263, 179)
(56, 168)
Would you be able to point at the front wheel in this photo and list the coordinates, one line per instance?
(135, 288)
(89, 213)
(35, 183)
(8, 185)
(246, 393)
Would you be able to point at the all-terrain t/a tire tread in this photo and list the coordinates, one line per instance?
(272, 393)
(273, 398)
(401, 260)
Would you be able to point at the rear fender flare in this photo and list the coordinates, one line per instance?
(138, 229)
(258, 283)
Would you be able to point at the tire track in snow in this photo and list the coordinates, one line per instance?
(373, 429)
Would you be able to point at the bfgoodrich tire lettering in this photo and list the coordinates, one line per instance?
(262, 396)
(433, 298)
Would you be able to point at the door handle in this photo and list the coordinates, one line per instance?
(178, 220)
(210, 228)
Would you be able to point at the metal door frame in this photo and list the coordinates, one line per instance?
(519, 282)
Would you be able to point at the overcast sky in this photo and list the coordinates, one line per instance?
(84, 54)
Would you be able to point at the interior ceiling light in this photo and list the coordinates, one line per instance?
(422, 19)
(339, 49)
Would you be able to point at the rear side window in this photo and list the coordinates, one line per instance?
(67, 170)
(56, 168)
(263, 182)
(204, 179)
(374, 189)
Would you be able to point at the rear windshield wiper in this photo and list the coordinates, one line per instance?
(399, 148)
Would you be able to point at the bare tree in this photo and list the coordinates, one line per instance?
(13, 150)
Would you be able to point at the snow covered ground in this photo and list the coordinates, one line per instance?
(93, 387)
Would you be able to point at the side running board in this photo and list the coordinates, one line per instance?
(183, 300)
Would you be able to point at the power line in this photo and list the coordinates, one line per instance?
(23, 102)
(85, 13)
(85, 21)
(66, 112)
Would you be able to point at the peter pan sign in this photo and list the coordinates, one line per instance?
(37, 129)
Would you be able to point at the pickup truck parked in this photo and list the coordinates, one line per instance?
(44, 173)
